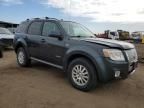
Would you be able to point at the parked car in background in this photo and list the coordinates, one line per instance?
(12, 30)
(67, 45)
(6, 37)
(138, 35)
(114, 35)
(1, 54)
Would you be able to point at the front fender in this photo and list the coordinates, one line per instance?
(93, 55)
(80, 50)
(18, 42)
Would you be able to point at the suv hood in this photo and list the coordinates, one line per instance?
(110, 43)
(6, 36)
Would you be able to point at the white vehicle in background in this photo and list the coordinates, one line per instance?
(138, 35)
(6, 37)
(114, 35)
(1, 54)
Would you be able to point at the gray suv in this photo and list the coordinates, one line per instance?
(67, 45)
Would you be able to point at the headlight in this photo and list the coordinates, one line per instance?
(114, 54)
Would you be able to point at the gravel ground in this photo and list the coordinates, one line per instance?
(42, 86)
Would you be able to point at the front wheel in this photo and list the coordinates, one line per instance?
(22, 58)
(82, 74)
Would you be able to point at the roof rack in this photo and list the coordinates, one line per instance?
(46, 17)
(50, 18)
(42, 18)
(36, 18)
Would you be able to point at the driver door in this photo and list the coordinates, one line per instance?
(52, 49)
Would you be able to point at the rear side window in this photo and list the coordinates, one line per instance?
(35, 28)
(22, 27)
(50, 27)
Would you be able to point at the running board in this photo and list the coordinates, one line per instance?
(51, 64)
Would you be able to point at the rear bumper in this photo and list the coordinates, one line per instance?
(6, 42)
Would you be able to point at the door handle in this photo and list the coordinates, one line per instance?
(43, 40)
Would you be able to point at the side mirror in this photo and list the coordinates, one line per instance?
(56, 35)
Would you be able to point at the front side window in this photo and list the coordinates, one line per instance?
(50, 28)
(35, 28)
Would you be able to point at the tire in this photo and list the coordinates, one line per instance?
(22, 58)
(88, 75)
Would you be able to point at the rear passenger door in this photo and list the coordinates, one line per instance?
(53, 49)
(34, 38)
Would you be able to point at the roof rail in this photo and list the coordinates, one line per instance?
(50, 18)
(36, 18)
(42, 18)
(46, 17)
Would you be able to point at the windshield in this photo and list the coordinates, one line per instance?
(76, 30)
(5, 31)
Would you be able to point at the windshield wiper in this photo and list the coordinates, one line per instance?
(79, 36)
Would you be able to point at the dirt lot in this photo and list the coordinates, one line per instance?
(42, 86)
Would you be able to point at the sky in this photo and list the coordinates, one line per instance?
(97, 15)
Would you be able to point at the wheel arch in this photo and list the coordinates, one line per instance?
(21, 43)
(80, 54)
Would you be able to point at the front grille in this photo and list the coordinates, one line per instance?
(132, 55)
(7, 41)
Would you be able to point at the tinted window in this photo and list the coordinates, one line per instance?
(50, 27)
(22, 27)
(113, 33)
(35, 28)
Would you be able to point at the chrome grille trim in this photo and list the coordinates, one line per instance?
(132, 55)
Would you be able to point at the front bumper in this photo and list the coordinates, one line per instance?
(131, 70)
(109, 70)
(122, 70)
(6, 42)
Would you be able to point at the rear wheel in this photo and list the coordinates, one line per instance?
(22, 57)
(82, 74)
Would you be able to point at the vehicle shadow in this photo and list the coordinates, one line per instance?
(48, 69)
(107, 87)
